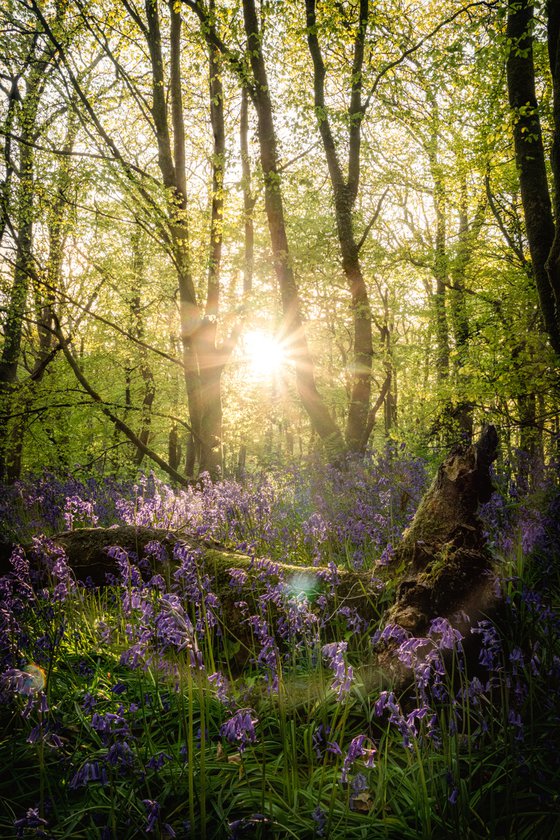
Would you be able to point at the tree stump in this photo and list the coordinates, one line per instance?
(443, 558)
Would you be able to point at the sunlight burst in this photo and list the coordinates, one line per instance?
(264, 353)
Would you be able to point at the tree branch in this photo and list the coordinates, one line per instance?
(411, 50)
(118, 423)
(372, 221)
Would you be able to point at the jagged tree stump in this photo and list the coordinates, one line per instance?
(443, 557)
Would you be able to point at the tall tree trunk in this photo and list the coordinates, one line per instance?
(137, 330)
(174, 180)
(174, 448)
(201, 367)
(44, 294)
(293, 331)
(345, 192)
(389, 389)
(463, 408)
(440, 264)
(553, 261)
(7, 130)
(530, 457)
(211, 359)
(542, 234)
(23, 270)
(248, 198)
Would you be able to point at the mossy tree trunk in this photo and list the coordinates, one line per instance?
(443, 558)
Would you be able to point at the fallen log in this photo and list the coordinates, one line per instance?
(89, 556)
(442, 564)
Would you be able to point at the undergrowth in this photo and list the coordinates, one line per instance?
(126, 713)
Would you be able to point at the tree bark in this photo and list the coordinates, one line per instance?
(293, 330)
(23, 270)
(46, 350)
(443, 555)
(248, 198)
(203, 359)
(211, 358)
(174, 181)
(553, 37)
(141, 365)
(530, 156)
(463, 408)
(345, 192)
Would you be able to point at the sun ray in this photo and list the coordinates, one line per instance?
(264, 354)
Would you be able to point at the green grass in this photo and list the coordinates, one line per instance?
(475, 779)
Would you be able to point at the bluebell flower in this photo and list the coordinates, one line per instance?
(318, 739)
(120, 755)
(32, 820)
(157, 761)
(238, 577)
(240, 729)
(390, 633)
(152, 817)
(386, 556)
(343, 673)
(320, 819)
(450, 637)
(333, 748)
(358, 750)
(90, 771)
(221, 684)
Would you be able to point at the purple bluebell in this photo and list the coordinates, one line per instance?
(240, 729)
(490, 655)
(220, 682)
(152, 816)
(358, 785)
(32, 820)
(358, 750)
(390, 633)
(78, 511)
(320, 819)
(157, 761)
(449, 637)
(120, 755)
(90, 771)
(238, 577)
(334, 653)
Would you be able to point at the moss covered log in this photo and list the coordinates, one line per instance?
(88, 554)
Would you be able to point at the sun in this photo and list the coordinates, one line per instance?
(264, 354)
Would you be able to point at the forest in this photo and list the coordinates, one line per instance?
(279, 419)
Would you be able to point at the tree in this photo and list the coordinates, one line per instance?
(293, 331)
(27, 88)
(542, 216)
(345, 190)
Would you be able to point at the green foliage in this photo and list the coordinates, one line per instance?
(437, 198)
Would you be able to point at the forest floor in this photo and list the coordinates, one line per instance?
(171, 703)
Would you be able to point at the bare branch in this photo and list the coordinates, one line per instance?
(118, 423)
(415, 47)
(372, 221)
